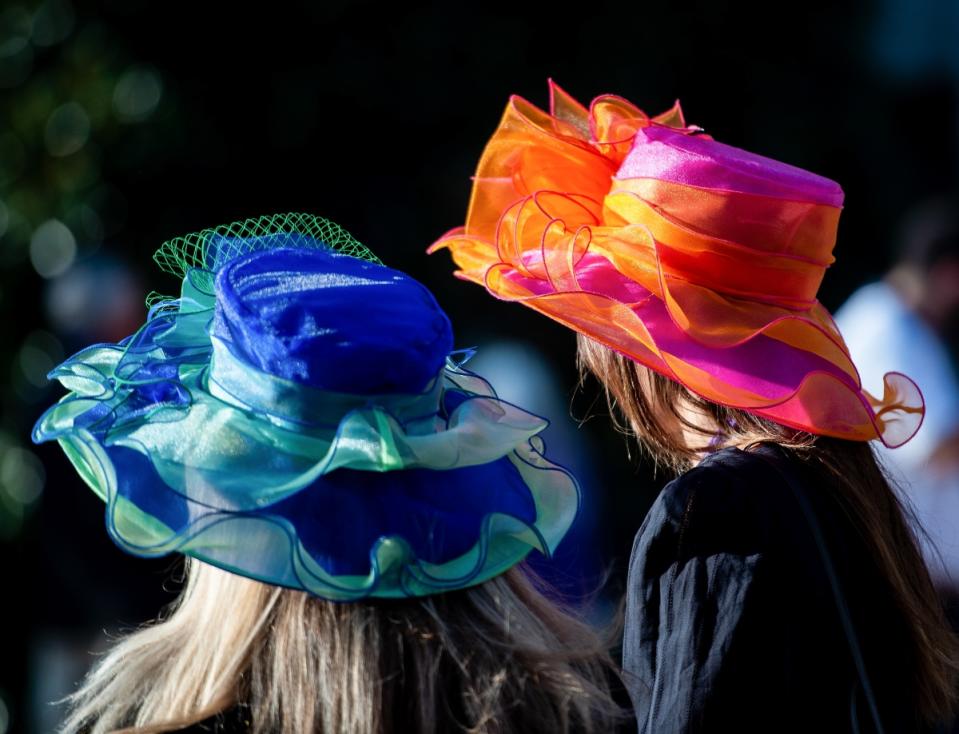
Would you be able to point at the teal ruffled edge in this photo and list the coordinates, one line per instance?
(395, 572)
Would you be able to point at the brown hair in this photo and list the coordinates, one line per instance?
(498, 658)
(662, 415)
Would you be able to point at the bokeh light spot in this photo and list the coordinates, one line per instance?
(137, 94)
(12, 158)
(22, 475)
(52, 22)
(98, 300)
(85, 222)
(4, 717)
(14, 243)
(4, 219)
(16, 53)
(40, 353)
(68, 129)
(52, 248)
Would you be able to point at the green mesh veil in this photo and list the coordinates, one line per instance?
(196, 250)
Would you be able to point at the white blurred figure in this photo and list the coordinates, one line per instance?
(907, 323)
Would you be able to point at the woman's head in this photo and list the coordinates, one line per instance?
(271, 422)
(498, 657)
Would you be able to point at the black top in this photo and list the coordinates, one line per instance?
(732, 623)
(238, 720)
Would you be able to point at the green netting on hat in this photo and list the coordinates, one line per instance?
(180, 254)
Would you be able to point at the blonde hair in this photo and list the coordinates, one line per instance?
(665, 418)
(498, 657)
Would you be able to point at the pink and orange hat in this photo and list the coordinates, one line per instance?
(697, 259)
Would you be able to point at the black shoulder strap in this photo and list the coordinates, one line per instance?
(843, 609)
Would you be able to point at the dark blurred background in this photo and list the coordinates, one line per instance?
(126, 123)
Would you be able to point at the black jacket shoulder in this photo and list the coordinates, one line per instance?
(727, 502)
(732, 622)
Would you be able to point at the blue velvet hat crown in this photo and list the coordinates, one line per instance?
(297, 416)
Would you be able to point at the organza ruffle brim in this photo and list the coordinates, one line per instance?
(631, 256)
(345, 496)
(767, 372)
(348, 535)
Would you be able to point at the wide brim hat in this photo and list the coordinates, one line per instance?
(298, 416)
(696, 259)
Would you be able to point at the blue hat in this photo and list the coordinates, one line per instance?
(298, 416)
